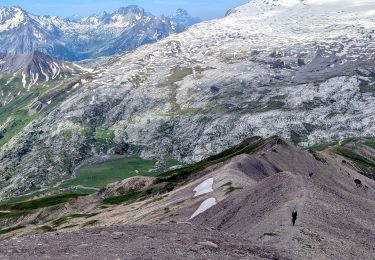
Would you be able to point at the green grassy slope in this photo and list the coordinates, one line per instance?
(100, 174)
(28, 105)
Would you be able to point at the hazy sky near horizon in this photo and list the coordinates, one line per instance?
(206, 9)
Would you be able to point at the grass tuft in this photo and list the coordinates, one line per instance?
(130, 197)
(11, 215)
(90, 223)
(65, 219)
(11, 229)
(46, 229)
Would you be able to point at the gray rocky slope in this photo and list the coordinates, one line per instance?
(303, 70)
(252, 197)
(87, 37)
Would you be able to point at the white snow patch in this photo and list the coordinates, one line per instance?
(44, 74)
(208, 203)
(14, 21)
(92, 100)
(84, 69)
(204, 188)
(24, 79)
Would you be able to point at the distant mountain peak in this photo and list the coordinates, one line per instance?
(36, 67)
(183, 18)
(131, 9)
(179, 12)
(11, 9)
(11, 17)
(7, 12)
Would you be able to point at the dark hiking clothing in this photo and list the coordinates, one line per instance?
(294, 217)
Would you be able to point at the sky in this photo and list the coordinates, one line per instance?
(206, 9)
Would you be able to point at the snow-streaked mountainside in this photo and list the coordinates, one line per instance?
(37, 67)
(88, 37)
(21, 78)
(301, 69)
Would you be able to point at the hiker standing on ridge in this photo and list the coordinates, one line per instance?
(294, 217)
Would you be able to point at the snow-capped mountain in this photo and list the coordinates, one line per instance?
(36, 67)
(31, 82)
(300, 69)
(87, 37)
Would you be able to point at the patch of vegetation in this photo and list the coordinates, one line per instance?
(168, 164)
(167, 210)
(46, 229)
(229, 183)
(70, 226)
(98, 175)
(83, 215)
(325, 146)
(370, 142)
(60, 221)
(65, 219)
(29, 105)
(322, 147)
(42, 202)
(11, 229)
(353, 156)
(104, 136)
(90, 223)
(177, 75)
(13, 214)
(128, 198)
(230, 189)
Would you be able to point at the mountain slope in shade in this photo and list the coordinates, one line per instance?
(88, 37)
(255, 185)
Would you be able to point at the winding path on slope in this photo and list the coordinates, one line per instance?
(289, 231)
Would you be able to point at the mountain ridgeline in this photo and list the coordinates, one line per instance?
(88, 37)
